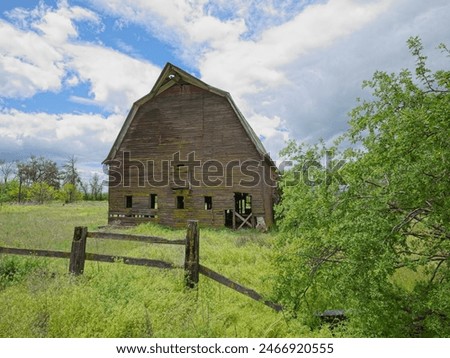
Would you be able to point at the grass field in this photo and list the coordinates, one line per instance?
(38, 298)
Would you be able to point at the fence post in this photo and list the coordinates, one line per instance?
(191, 261)
(78, 252)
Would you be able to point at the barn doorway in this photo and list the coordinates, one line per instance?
(243, 203)
(241, 216)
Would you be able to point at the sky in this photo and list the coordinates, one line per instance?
(71, 69)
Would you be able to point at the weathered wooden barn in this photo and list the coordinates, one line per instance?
(185, 151)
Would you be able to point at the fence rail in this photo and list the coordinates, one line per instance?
(138, 238)
(78, 255)
(131, 261)
(90, 257)
(32, 252)
(237, 287)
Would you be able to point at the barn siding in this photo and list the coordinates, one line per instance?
(185, 119)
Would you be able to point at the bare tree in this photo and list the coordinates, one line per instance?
(7, 169)
(85, 189)
(71, 177)
(96, 187)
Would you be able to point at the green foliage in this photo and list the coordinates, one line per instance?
(38, 180)
(69, 193)
(14, 269)
(40, 192)
(349, 247)
(9, 191)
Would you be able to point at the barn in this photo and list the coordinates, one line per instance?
(185, 151)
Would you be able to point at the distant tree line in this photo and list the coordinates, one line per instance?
(39, 180)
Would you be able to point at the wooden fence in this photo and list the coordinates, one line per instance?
(78, 256)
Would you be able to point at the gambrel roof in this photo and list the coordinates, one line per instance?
(170, 76)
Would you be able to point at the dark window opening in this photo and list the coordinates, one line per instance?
(128, 201)
(208, 202)
(180, 202)
(153, 201)
(229, 218)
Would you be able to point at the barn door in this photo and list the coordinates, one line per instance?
(242, 215)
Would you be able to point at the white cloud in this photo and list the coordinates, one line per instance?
(87, 136)
(116, 79)
(28, 63)
(72, 81)
(32, 48)
(325, 83)
(260, 61)
(46, 50)
(271, 131)
(218, 44)
(185, 25)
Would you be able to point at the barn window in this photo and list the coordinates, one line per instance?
(208, 202)
(129, 201)
(153, 201)
(180, 202)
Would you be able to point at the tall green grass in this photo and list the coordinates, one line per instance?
(38, 298)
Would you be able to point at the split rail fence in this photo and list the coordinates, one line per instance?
(192, 267)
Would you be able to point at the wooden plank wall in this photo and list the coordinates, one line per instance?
(185, 119)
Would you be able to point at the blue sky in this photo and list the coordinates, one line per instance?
(71, 69)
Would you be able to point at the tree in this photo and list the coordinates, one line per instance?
(41, 192)
(10, 190)
(7, 169)
(96, 187)
(71, 179)
(84, 186)
(68, 193)
(39, 171)
(378, 247)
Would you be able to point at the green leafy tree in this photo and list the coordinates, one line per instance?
(10, 190)
(41, 192)
(379, 246)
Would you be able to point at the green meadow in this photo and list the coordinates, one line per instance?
(38, 298)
